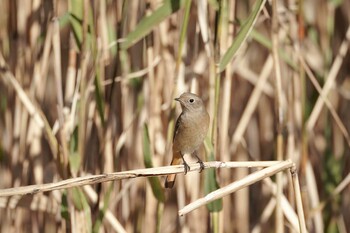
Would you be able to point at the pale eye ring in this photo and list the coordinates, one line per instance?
(191, 100)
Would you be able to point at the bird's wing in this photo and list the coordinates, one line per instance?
(178, 121)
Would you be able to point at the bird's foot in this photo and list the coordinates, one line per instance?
(186, 167)
(201, 165)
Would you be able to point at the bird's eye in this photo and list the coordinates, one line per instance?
(191, 100)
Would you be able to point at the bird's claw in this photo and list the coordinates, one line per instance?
(186, 167)
(201, 165)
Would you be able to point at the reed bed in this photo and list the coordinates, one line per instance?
(87, 94)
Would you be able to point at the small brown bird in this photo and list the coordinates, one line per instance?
(190, 130)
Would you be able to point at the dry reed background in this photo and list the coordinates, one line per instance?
(284, 94)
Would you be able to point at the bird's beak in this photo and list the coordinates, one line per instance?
(177, 99)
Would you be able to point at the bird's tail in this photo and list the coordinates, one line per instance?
(170, 179)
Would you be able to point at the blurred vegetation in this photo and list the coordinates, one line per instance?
(87, 87)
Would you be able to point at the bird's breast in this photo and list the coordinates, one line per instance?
(192, 130)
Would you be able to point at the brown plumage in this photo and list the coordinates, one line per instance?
(190, 130)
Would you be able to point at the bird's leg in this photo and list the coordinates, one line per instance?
(201, 164)
(187, 168)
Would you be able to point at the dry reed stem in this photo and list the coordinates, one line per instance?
(313, 196)
(323, 96)
(266, 214)
(203, 25)
(28, 47)
(27, 103)
(252, 103)
(110, 218)
(132, 75)
(245, 72)
(228, 15)
(340, 188)
(34, 203)
(288, 210)
(56, 45)
(298, 200)
(280, 114)
(253, 178)
(94, 179)
(330, 81)
(237, 185)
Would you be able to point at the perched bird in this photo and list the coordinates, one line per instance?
(190, 130)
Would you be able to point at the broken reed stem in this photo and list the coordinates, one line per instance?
(272, 168)
(237, 185)
(298, 200)
(250, 179)
(158, 171)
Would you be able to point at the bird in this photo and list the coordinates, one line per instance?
(190, 130)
